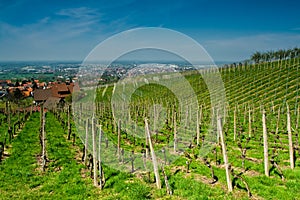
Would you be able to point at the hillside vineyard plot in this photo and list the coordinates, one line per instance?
(260, 128)
(166, 147)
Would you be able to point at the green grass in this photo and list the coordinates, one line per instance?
(21, 176)
(270, 85)
(246, 87)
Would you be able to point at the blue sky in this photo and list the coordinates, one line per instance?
(69, 30)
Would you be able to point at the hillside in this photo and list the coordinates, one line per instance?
(187, 143)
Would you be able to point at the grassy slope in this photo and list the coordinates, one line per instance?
(20, 174)
(63, 177)
(268, 84)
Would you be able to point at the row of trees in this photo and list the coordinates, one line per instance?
(280, 54)
(268, 56)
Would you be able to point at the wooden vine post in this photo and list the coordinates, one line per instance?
(175, 133)
(8, 114)
(155, 117)
(169, 191)
(147, 145)
(94, 152)
(198, 126)
(154, 160)
(119, 139)
(101, 173)
(289, 129)
(297, 119)
(19, 116)
(249, 123)
(265, 137)
(69, 122)
(86, 141)
(229, 183)
(234, 124)
(43, 137)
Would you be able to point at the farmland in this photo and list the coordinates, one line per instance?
(259, 117)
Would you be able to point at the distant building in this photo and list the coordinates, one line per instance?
(3, 84)
(54, 94)
(41, 95)
(60, 90)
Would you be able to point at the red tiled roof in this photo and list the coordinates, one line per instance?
(60, 90)
(62, 87)
(42, 95)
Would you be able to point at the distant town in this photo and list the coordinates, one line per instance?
(53, 82)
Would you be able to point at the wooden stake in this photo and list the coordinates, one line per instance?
(44, 159)
(198, 129)
(94, 152)
(175, 133)
(19, 116)
(8, 114)
(146, 146)
(132, 158)
(265, 136)
(154, 161)
(86, 141)
(249, 123)
(99, 159)
(289, 129)
(69, 122)
(297, 119)
(234, 124)
(169, 191)
(229, 183)
(154, 117)
(119, 139)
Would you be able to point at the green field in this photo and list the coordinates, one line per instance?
(249, 90)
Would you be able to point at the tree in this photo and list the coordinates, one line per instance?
(281, 54)
(288, 53)
(18, 94)
(296, 51)
(256, 57)
(17, 84)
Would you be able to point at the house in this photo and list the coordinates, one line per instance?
(63, 90)
(41, 95)
(60, 90)
(27, 92)
(54, 94)
(3, 84)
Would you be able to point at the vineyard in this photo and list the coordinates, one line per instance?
(159, 145)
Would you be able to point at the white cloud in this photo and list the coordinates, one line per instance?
(80, 13)
(69, 34)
